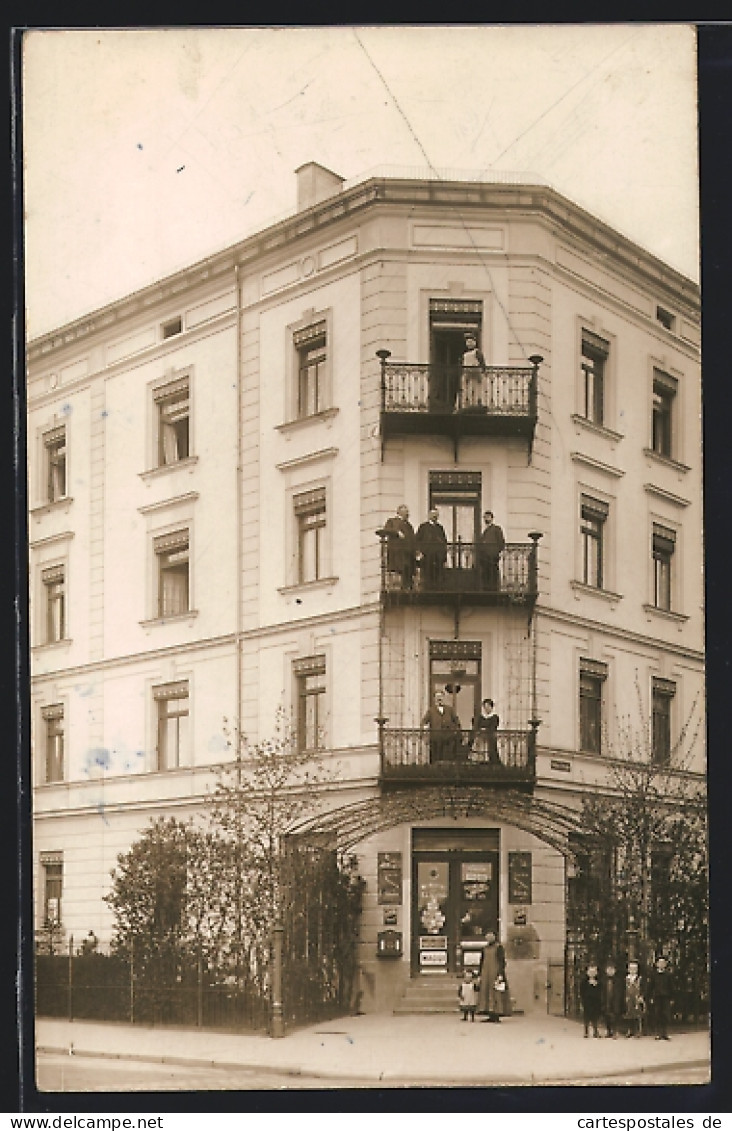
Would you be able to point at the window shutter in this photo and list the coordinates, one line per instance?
(52, 574)
(173, 389)
(166, 543)
(309, 335)
(171, 690)
(54, 435)
(309, 501)
(594, 344)
(310, 665)
(594, 508)
(593, 667)
(664, 539)
(456, 312)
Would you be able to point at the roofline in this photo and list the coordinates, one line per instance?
(473, 195)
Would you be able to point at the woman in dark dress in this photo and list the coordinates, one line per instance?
(494, 997)
(485, 734)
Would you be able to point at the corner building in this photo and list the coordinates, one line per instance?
(212, 461)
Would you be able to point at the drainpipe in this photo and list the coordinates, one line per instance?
(239, 473)
(534, 721)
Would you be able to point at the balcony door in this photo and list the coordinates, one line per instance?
(457, 496)
(450, 320)
(454, 898)
(455, 670)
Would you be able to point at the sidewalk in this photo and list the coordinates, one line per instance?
(436, 1049)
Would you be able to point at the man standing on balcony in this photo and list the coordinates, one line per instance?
(444, 727)
(490, 545)
(432, 550)
(400, 547)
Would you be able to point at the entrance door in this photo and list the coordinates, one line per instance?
(455, 901)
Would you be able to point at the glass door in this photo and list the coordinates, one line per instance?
(455, 902)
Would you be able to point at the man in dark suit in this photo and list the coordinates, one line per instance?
(400, 547)
(490, 545)
(444, 727)
(432, 545)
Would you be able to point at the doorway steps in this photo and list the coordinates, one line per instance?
(430, 993)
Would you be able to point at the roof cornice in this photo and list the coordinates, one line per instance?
(543, 201)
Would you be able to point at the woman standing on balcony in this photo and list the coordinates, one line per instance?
(485, 733)
(473, 366)
(494, 998)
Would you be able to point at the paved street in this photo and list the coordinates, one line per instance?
(94, 1074)
(62, 1073)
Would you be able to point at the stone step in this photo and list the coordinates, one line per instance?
(426, 994)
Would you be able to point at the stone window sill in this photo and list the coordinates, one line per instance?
(153, 622)
(592, 591)
(293, 425)
(165, 468)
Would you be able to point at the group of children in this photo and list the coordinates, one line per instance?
(608, 996)
(616, 999)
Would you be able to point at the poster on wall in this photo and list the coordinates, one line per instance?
(519, 877)
(389, 877)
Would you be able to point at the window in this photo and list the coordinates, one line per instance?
(54, 585)
(664, 544)
(662, 695)
(592, 677)
(171, 702)
(53, 719)
(594, 357)
(173, 559)
(310, 689)
(172, 404)
(310, 517)
(173, 327)
(310, 345)
(664, 396)
(666, 319)
(593, 516)
(54, 446)
(53, 874)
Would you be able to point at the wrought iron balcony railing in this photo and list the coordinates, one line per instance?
(498, 400)
(458, 571)
(416, 756)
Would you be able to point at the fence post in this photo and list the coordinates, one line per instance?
(277, 1028)
(132, 983)
(199, 996)
(70, 988)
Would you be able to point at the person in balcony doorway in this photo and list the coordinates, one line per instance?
(401, 546)
(444, 727)
(472, 397)
(484, 742)
(431, 543)
(494, 997)
(491, 544)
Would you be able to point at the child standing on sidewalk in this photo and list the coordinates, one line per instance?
(634, 1001)
(468, 996)
(590, 998)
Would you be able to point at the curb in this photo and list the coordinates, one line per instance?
(419, 1081)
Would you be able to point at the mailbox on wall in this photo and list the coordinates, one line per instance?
(389, 944)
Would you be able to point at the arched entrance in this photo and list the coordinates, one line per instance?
(445, 865)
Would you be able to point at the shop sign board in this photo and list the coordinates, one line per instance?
(519, 877)
(389, 877)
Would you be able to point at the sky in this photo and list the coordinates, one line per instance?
(145, 150)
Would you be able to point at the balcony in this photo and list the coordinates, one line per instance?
(412, 756)
(464, 578)
(440, 400)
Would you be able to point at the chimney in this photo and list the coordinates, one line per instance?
(315, 183)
